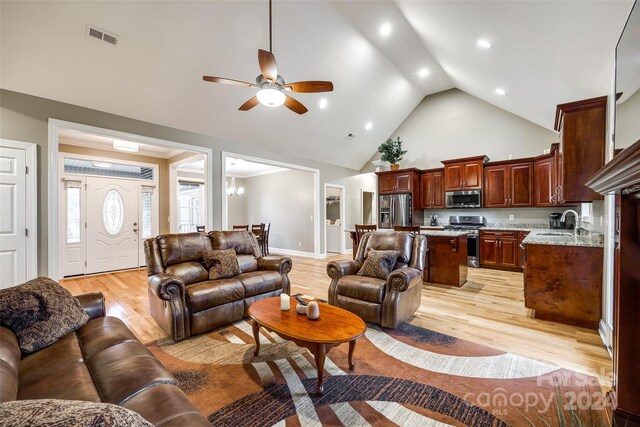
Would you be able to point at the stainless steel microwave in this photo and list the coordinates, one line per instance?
(464, 199)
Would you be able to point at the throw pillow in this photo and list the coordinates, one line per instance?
(378, 264)
(222, 264)
(253, 242)
(40, 312)
(54, 412)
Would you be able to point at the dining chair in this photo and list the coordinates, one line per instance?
(241, 227)
(362, 229)
(410, 228)
(265, 239)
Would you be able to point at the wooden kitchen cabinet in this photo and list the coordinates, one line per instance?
(447, 260)
(499, 249)
(432, 189)
(545, 178)
(564, 283)
(508, 184)
(464, 174)
(582, 127)
(400, 181)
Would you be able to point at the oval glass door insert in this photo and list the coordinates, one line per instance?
(113, 212)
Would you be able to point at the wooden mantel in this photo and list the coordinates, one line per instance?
(622, 177)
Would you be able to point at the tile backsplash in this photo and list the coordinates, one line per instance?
(497, 216)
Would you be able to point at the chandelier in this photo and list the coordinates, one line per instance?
(233, 189)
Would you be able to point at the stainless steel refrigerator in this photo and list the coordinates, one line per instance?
(394, 209)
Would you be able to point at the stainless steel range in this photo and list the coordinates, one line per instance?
(472, 224)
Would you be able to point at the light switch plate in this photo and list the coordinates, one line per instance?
(512, 217)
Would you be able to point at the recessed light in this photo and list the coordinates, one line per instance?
(423, 72)
(120, 145)
(322, 103)
(102, 165)
(385, 29)
(368, 125)
(501, 91)
(485, 44)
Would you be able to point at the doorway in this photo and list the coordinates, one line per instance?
(368, 206)
(107, 209)
(83, 159)
(334, 218)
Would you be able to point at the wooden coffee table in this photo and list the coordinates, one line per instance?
(334, 327)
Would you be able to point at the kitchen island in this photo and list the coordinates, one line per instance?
(447, 257)
(563, 277)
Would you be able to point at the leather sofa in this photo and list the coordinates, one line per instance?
(182, 299)
(388, 302)
(100, 362)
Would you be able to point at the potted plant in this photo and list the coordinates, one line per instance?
(392, 152)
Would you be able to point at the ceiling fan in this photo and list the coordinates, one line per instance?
(272, 85)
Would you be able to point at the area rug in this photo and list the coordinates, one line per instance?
(410, 376)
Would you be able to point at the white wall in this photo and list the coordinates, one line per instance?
(284, 199)
(453, 124)
(236, 210)
(628, 121)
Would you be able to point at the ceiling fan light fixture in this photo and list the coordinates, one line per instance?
(270, 97)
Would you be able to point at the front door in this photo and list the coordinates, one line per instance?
(112, 224)
(13, 239)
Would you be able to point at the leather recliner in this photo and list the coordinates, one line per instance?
(184, 302)
(388, 302)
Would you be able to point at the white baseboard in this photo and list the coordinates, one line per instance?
(292, 252)
(606, 335)
(347, 251)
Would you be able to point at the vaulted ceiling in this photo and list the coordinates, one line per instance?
(544, 53)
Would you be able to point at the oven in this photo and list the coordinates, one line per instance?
(472, 225)
(464, 199)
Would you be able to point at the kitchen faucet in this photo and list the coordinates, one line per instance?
(564, 214)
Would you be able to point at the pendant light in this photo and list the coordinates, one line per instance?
(233, 189)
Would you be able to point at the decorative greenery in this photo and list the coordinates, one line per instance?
(392, 151)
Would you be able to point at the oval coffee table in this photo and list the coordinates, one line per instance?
(334, 327)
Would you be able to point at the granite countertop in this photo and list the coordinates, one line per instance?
(538, 237)
(447, 233)
(441, 232)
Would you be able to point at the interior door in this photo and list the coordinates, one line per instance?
(13, 239)
(112, 224)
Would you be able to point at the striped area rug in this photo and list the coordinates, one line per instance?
(410, 377)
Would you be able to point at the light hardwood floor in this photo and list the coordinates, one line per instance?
(488, 309)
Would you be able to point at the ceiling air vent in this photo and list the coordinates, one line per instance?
(102, 35)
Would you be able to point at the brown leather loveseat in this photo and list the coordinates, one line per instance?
(388, 302)
(182, 299)
(100, 362)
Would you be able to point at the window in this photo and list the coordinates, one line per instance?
(73, 215)
(147, 225)
(190, 206)
(107, 168)
(113, 212)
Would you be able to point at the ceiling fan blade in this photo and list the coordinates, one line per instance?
(310, 86)
(214, 79)
(249, 104)
(268, 65)
(294, 105)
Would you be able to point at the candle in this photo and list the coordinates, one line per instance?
(285, 302)
(313, 310)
